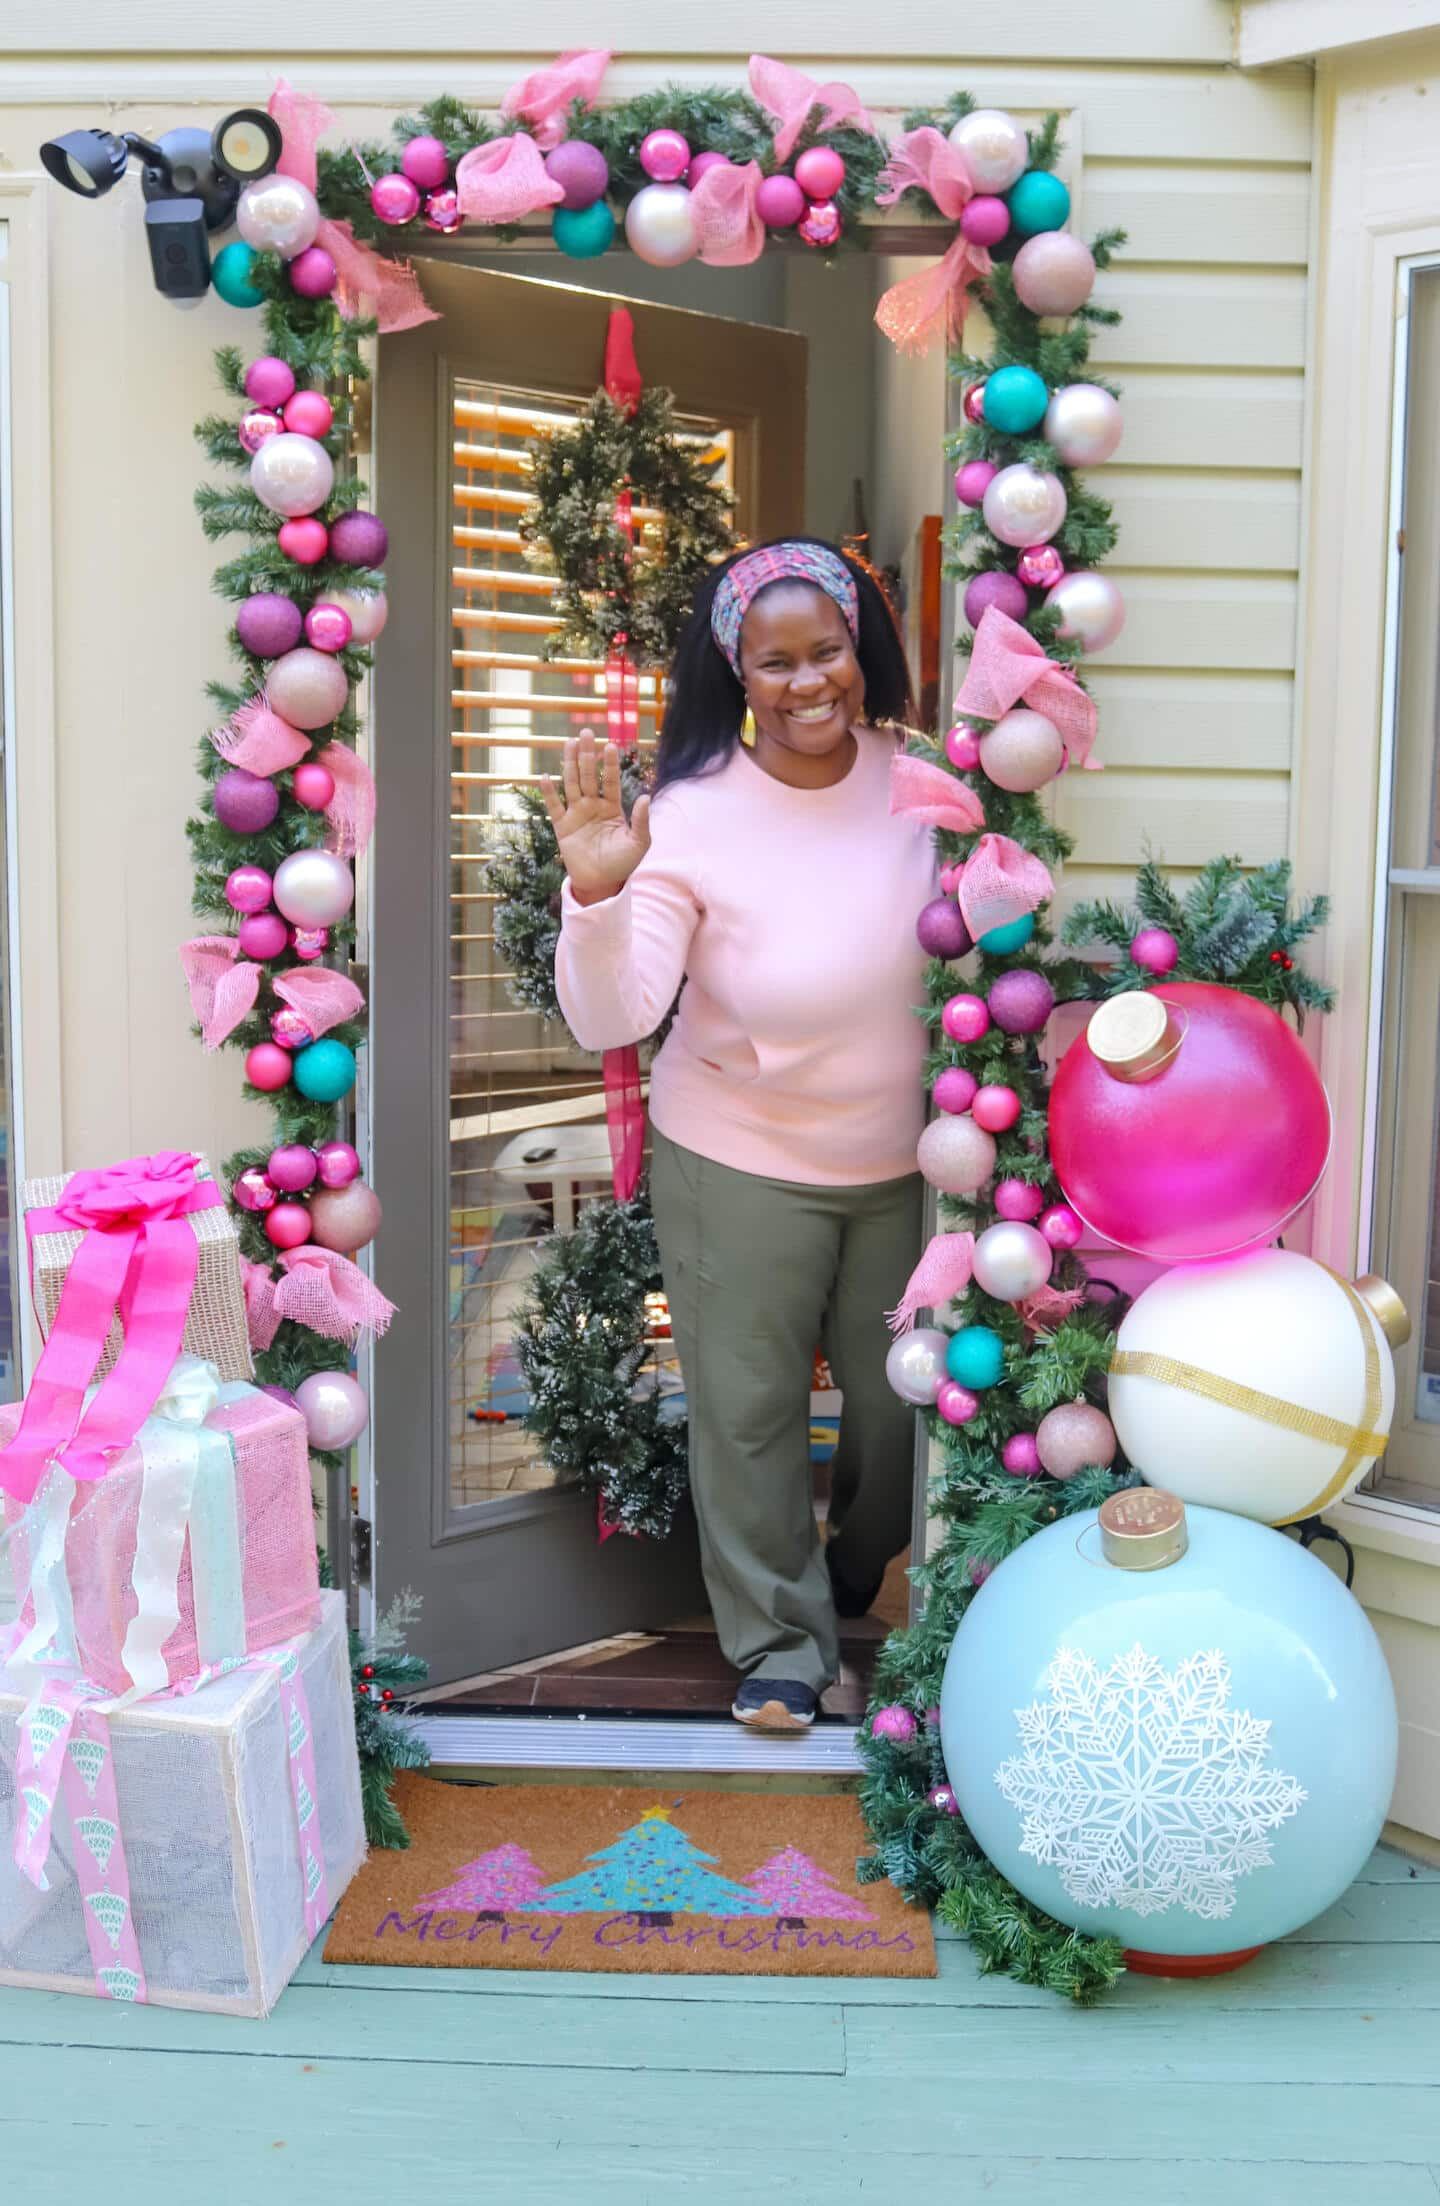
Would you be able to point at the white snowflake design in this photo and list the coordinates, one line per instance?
(1143, 1787)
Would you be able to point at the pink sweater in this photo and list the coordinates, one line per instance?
(790, 915)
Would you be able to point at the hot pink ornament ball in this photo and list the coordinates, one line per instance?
(426, 162)
(820, 172)
(359, 540)
(309, 414)
(1061, 1227)
(327, 626)
(263, 935)
(394, 200)
(312, 785)
(995, 587)
(268, 1067)
(268, 624)
(253, 1189)
(984, 220)
(704, 162)
(1156, 950)
(973, 480)
(292, 1167)
(779, 202)
(1021, 1001)
(972, 405)
(313, 273)
(1039, 566)
(1018, 1200)
(290, 1028)
(962, 747)
(248, 889)
(956, 1404)
(894, 1723)
(268, 381)
(288, 1225)
(245, 803)
(1075, 1437)
(257, 427)
(664, 156)
(309, 943)
(996, 1108)
(306, 541)
(337, 1163)
(443, 212)
(954, 1090)
(581, 171)
(965, 1018)
(943, 1800)
(1020, 1456)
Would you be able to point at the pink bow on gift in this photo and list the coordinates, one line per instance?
(726, 215)
(1008, 664)
(942, 1272)
(789, 95)
(932, 795)
(363, 273)
(224, 988)
(544, 98)
(932, 303)
(350, 814)
(505, 181)
(320, 1289)
(997, 884)
(258, 739)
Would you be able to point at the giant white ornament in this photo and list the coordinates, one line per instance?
(1012, 1260)
(334, 1407)
(1023, 505)
(660, 225)
(1084, 424)
(995, 148)
(313, 888)
(368, 609)
(307, 687)
(955, 1155)
(1091, 609)
(1261, 1383)
(277, 214)
(292, 475)
(915, 1365)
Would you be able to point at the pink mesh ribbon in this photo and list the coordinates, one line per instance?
(258, 739)
(930, 794)
(1048, 1307)
(942, 1272)
(391, 286)
(789, 95)
(322, 998)
(726, 215)
(504, 181)
(138, 1257)
(997, 884)
(325, 1291)
(1006, 665)
(262, 1319)
(925, 160)
(931, 303)
(543, 99)
(223, 985)
(350, 814)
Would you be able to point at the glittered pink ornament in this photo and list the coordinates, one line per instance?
(305, 541)
(820, 172)
(1062, 1227)
(1018, 1199)
(253, 1190)
(309, 414)
(1075, 1437)
(1021, 1001)
(581, 171)
(334, 1407)
(359, 539)
(290, 1029)
(973, 480)
(312, 785)
(309, 943)
(664, 156)
(962, 747)
(779, 202)
(984, 220)
(269, 381)
(327, 626)
(426, 162)
(955, 1403)
(973, 403)
(245, 803)
(268, 624)
(1022, 752)
(248, 889)
(894, 1723)
(1020, 1456)
(820, 225)
(965, 1018)
(313, 273)
(345, 1218)
(994, 587)
(337, 1163)
(292, 1167)
(288, 1225)
(940, 930)
(954, 1090)
(268, 1067)
(1054, 273)
(955, 1155)
(263, 935)
(943, 1800)
(1155, 949)
(996, 1108)
(1039, 566)
(394, 200)
(442, 211)
(256, 426)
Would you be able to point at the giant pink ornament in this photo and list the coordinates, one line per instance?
(1022, 751)
(1011, 1260)
(1084, 424)
(277, 214)
(660, 225)
(313, 888)
(1075, 1437)
(307, 688)
(1025, 505)
(368, 609)
(345, 1218)
(1091, 609)
(955, 1155)
(335, 1410)
(1195, 1135)
(292, 475)
(1054, 273)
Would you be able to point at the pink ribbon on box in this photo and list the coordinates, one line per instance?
(725, 210)
(997, 884)
(392, 285)
(789, 95)
(504, 181)
(1007, 664)
(138, 1258)
(544, 98)
(931, 303)
(932, 795)
(320, 1289)
(350, 814)
(943, 1272)
(257, 738)
(223, 986)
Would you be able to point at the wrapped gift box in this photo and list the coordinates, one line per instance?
(247, 1568)
(236, 1826)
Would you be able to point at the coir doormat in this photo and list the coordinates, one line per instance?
(673, 1879)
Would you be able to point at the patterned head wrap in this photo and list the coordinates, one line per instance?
(790, 562)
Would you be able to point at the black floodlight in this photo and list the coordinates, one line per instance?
(86, 161)
(247, 144)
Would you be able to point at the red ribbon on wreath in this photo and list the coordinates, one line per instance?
(624, 1102)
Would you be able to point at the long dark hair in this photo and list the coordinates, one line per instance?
(705, 704)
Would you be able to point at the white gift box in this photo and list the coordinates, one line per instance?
(208, 1819)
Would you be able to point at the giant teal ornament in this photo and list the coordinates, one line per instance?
(1173, 1727)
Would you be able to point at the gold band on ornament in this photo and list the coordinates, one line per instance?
(1357, 1443)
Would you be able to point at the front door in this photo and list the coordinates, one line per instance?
(489, 1128)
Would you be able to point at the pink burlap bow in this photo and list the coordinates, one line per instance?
(1008, 664)
(932, 303)
(320, 1289)
(505, 181)
(789, 95)
(544, 98)
(943, 1272)
(138, 1259)
(350, 814)
(223, 986)
(1048, 1307)
(256, 738)
(726, 215)
(392, 287)
(997, 884)
(322, 997)
(928, 793)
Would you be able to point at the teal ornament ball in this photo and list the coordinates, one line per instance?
(232, 272)
(1015, 400)
(1193, 1754)
(1001, 941)
(325, 1071)
(975, 1357)
(583, 233)
(1037, 201)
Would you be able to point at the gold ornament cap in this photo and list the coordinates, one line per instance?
(1387, 1307)
(1135, 1035)
(1143, 1528)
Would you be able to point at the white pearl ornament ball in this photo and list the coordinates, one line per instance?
(1023, 505)
(334, 1407)
(994, 146)
(1012, 1261)
(292, 475)
(277, 214)
(915, 1365)
(1084, 424)
(313, 888)
(1091, 609)
(660, 225)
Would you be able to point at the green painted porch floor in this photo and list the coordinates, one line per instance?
(1312, 2076)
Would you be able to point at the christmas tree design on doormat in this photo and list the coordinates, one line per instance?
(505, 1877)
(797, 1888)
(652, 1871)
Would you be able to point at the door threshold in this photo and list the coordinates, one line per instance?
(471, 1741)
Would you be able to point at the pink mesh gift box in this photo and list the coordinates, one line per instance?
(197, 1546)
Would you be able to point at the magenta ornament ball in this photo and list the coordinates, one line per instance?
(257, 427)
(994, 587)
(940, 930)
(426, 162)
(359, 540)
(305, 541)
(312, 785)
(288, 1225)
(1021, 1001)
(1021, 1457)
(779, 202)
(313, 273)
(1075, 1437)
(1039, 566)
(973, 480)
(962, 747)
(1025, 505)
(245, 803)
(345, 1218)
(334, 1408)
(955, 1155)
(704, 162)
(1012, 1260)
(443, 212)
(940, 1797)
(820, 172)
(996, 1108)
(660, 226)
(307, 688)
(954, 1089)
(894, 1723)
(394, 200)
(254, 1190)
(309, 414)
(268, 1067)
(1018, 1199)
(309, 943)
(277, 214)
(581, 171)
(268, 381)
(1062, 1227)
(290, 1028)
(965, 1018)
(292, 475)
(664, 156)
(268, 624)
(327, 626)
(263, 935)
(1054, 273)
(972, 405)
(1023, 751)
(248, 889)
(292, 1167)
(337, 1163)
(368, 610)
(1091, 609)
(956, 1404)
(1084, 424)
(985, 219)
(1156, 950)
(314, 888)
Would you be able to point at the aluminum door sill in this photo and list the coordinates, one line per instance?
(472, 1741)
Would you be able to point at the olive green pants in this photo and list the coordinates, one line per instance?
(758, 1273)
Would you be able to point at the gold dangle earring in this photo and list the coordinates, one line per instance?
(747, 728)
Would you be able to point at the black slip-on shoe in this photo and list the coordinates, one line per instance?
(850, 1601)
(775, 1704)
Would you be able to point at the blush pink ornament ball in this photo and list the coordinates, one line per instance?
(1074, 1438)
(962, 747)
(426, 162)
(368, 610)
(1011, 1261)
(973, 480)
(954, 1090)
(1155, 950)
(1084, 424)
(1054, 273)
(965, 1018)
(664, 156)
(359, 539)
(1018, 1199)
(288, 1225)
(337, 1163)
(1061, 1227)
(345, 1218)
(984, 220)
(254, 1190)
(327, 626)
(704, 162)
(940, 930)
(245, 803)
(779, 202)
(1025, 505)
(292, 1167)
(292, 475)
(894, 1723)
(1020, 1456)
(1039, 566)
(581, 171)
(305, 541)
(955, 1155)
(334, 1407)
(996, 1108)
(313, 273)
(307, 688)
(312, 785)
(309, 414)
(263, 935)
(394, 200)
(956, 1404)
(994, 587)
(268, 381)
(314, 888)
(257, 427)
(1023, 751)
(820, 172)
(1021, 1001)
(1091, 609)
(268, 1067)
(268, 624)
(248, 889)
